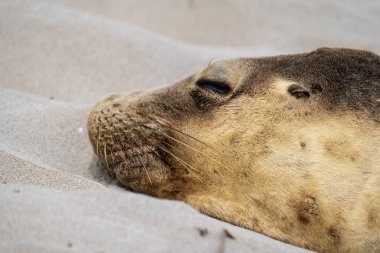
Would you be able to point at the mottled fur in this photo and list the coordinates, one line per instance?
(292, 151)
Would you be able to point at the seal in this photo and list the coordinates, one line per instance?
(288, 146)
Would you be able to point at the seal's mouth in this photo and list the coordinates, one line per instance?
(138, 163)
(133, 157)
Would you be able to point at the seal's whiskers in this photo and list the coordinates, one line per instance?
(145, 169)
(105, 154)
(97, 142)
(188, 146)
(156, 118)
(187, 166)
(169, 125)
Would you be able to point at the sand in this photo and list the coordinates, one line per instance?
(59, 56)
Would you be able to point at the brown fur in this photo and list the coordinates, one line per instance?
(292, 151)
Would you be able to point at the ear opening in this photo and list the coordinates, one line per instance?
(298, 91)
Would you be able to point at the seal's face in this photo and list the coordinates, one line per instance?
(176, 141)
(270, 144)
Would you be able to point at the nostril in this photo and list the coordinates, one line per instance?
(134, 94)
(111, 97)
(109, 101)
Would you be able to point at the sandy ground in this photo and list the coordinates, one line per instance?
(59, 56)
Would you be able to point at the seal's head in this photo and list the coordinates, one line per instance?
(288, 146)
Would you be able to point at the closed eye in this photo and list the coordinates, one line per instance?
(214, 86)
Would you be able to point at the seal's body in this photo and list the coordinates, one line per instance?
(288, 146)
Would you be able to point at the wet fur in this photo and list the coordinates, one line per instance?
(293, 151)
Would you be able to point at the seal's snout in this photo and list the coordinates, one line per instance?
(126, 138)
(96, 121)
(105, 113)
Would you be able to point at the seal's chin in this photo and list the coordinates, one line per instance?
(140, 166)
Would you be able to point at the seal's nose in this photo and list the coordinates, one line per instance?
(105, 109)
(113, 100)
(93, 122)
(134, 94)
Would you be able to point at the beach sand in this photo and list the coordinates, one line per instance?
(58, 57)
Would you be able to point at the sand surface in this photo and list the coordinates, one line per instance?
(59, 56)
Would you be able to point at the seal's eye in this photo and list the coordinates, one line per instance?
(298, 91)
(214, 86)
